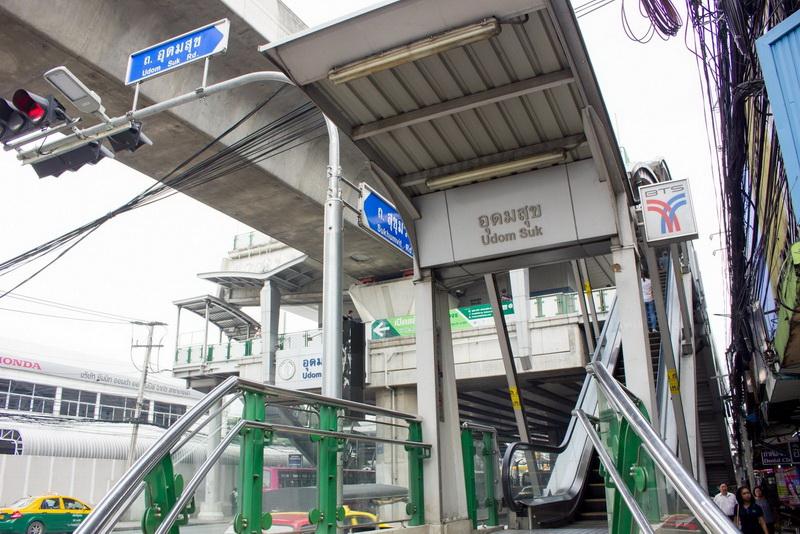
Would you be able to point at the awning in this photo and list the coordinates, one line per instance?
(234, 322)
(291, 276)
(435, 88)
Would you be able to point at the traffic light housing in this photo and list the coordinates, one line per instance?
(11, 121)
(39, 110)
(131, 139)
(73, 160)
(28, 112)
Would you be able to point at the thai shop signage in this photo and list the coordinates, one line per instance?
(788, 453)
(463, 318)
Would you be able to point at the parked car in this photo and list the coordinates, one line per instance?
(45, 513)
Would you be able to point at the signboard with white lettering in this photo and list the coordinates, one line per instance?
(668, 212)
(463, 318)
(543, 209)
(784, 454)
(381, 217)
(178, 51)
(298, 371)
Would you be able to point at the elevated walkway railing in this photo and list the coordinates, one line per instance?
(233, 350)
(356, 432)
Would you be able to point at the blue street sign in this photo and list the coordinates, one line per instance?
(295, 460)
(178, 51)
(382, 218)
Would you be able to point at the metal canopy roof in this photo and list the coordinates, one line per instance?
(291, 276)
(528, 90)
(234, 322)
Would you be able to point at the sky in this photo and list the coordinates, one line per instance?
(137, 264)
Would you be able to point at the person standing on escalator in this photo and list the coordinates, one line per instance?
(649, 303)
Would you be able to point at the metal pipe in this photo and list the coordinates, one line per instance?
(97, 520)
(305, 397)
(332, 274)
(581, 296)
(619, 484)
(590, 297)
(177, 332)
(304, 431)
(686, 486)
(204, 355)
(66, 144)
(198, 477)
(192, 433)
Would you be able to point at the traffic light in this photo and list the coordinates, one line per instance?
(28, 112)
(40, 111)
(131, 139)
(73, 160)
(11, 121)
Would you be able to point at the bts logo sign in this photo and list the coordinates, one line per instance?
(668, 212)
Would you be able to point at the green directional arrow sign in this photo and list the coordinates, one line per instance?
(463, 318)
(383, 329)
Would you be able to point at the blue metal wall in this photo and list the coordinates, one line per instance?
(779, 54)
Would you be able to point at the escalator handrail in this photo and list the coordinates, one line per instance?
(561, 447)
(554, 449)
(684, 483)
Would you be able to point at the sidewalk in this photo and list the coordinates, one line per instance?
(135, 526)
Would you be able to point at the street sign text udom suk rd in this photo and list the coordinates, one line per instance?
(381, 217)
(178, 51)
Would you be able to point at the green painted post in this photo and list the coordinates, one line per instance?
(326, 514)
(161, 488)
(249, 519)
(489, 463)
(189, 355)
(468, 455)
(416, 489)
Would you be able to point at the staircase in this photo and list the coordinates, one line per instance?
(593, 503)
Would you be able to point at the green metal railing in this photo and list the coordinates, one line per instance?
(482, 474)
(169, 501)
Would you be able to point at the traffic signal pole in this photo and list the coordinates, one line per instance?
(332, 248)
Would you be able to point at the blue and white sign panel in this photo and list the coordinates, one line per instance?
(179, 51)
(381, 217)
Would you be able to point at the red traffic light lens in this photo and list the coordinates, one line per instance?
(27, 103)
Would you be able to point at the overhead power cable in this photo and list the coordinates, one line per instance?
(85, 319)
(72, 308)
(300, 125)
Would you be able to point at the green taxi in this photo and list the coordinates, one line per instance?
(46, 513)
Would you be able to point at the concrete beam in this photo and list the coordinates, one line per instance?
(94, 37)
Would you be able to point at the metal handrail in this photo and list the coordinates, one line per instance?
(684, 483)
(313, 398)
(608, 463)
(113, 504)
(97, 520)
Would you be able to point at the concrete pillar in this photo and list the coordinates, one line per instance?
(520, 293)
(445, 496)
(211, 508)
(270, 321)
(633, 326)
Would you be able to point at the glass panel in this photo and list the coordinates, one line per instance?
(654, 494)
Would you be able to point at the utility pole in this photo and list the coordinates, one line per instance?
(140, 395)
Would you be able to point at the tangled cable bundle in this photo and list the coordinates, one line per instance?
(300, 125)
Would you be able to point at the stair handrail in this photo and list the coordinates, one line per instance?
(109, 506)
(684, 483)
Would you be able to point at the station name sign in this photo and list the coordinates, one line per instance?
(543, 209)
(668, 212)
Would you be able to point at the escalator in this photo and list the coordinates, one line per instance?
(572, 490)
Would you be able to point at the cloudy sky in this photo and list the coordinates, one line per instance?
(136, 265)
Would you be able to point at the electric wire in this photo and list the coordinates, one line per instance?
(299, 126)
(85, 319)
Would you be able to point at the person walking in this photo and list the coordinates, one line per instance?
(769, 515)
(749, 515)
(725, 501)
(649, 303)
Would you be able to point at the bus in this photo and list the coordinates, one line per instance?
(276, 478)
